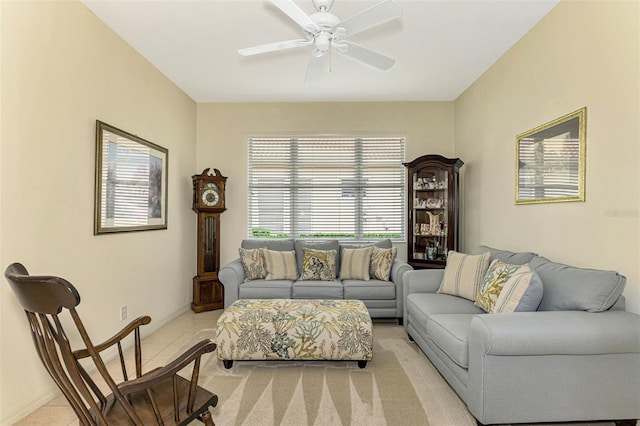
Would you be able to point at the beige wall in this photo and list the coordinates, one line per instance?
(580, 54)
(223, 130)
(62, 69)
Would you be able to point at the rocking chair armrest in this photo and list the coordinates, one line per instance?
(162, 373)
(132, 326)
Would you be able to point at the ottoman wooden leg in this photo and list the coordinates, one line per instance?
(362, 364)
(227, 363)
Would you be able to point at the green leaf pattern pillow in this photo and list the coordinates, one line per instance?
(381, 262)
(319, 264)
(494, 279)
(253, 263)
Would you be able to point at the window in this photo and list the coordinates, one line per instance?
(326, 187)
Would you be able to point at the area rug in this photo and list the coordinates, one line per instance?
(398, 387)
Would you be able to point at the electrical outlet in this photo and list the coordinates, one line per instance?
(123, 313)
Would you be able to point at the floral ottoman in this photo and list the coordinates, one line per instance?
(284, 329)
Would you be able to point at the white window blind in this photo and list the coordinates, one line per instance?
(549, 168)
(126, 182)
(326, 187)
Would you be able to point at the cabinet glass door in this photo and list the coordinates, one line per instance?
(430, 212)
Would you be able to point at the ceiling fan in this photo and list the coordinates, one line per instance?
(324, 31)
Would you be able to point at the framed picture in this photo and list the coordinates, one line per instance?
(131, 182)
(550, 161)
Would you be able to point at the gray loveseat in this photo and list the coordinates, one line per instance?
(575, 358)
(383, 298)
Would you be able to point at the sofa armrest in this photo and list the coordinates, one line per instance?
(231, 276)
(398, 271)
(422, 281)
(547, 366)
(554, 333)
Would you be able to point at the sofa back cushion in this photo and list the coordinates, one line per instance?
(506, 256)
(567, 288)
(271, 244)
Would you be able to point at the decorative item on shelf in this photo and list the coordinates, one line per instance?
(434, 203)
(209, 203)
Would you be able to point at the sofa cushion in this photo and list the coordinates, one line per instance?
(506, 256)
(253, 264)
(317, 290)
(355, 263)
(381, 262)
(281, 265)
(317, 245)
(319, 264)
(450, 332)
(463, 274)
(369, 290)
(521, 293)
(271, 244)
(263, 289)
(422, 305)
(578, 289)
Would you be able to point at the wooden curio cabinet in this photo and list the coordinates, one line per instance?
(433, 210)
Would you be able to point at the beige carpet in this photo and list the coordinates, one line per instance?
(398, 387)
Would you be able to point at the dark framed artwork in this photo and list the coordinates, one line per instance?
(131, 182)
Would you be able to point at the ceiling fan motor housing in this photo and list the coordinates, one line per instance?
(323, 5)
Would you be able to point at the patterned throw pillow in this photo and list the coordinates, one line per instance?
(355, 264)
(463, 274)
(253, 263)
(281, 265)
(381, 262)
(497, 275)
(318, 264)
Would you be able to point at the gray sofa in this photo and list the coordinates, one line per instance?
(382, 298)
(576, 358)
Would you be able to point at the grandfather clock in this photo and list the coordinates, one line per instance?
(208, 202)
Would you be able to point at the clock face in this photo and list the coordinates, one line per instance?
(210, 195)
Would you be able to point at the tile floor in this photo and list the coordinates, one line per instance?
(157, 349)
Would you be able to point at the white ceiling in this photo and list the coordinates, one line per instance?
(441, 47)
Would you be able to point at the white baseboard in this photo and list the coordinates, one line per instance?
(12, 416)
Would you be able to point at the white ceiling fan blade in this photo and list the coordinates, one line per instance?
(367, 56)
(316, 68)
(293, 11)
(369, 18)
(272, 47)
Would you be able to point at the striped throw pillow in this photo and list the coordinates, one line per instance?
(463, 274)
(355, 264)
(281, 265)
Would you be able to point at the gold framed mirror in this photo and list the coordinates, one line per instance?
(551, 160)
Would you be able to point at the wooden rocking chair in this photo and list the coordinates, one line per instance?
(160, 396)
